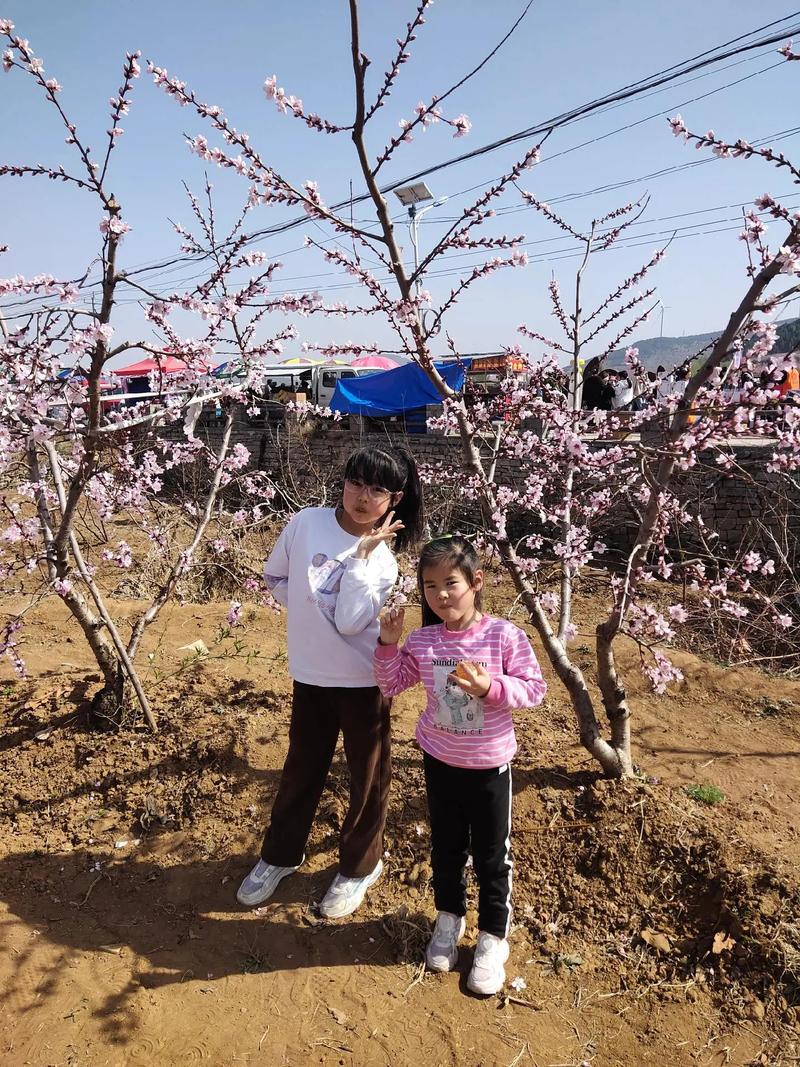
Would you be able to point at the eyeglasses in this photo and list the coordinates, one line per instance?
(374, 492)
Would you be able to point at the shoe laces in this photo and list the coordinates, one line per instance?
(487, 947)
(446, 929)
(344, 885)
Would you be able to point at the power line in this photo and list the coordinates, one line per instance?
(566, 118)
(178, 265)
(709, 228)
(645, 85)
(554, 255)
(770, 139)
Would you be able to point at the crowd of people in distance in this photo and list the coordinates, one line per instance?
(607, 389)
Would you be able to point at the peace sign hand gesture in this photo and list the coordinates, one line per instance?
(385, 532)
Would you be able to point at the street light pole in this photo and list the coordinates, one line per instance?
(413, 228)
(414, 215)
(411, 196)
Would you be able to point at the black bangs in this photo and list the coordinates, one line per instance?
(397, 472)
(373, 467)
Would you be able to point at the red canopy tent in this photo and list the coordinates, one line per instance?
(167, 365)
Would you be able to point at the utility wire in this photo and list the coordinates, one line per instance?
(645, 85)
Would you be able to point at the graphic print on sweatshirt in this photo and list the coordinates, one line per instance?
(324, 580)
(456, 711)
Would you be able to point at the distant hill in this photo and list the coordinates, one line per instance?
(668, 351)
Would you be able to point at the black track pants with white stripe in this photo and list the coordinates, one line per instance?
(470, 812)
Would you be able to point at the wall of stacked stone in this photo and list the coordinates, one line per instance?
(742, 510)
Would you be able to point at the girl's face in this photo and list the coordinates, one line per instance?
(449, 594)
(365, 504)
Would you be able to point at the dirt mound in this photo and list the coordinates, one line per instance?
(631, 878)
(66, 785)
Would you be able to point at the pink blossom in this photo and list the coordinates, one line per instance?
(678, 127)
(234, 615)
(731, 607)
(122, 556)
(789, 259)
(101, 332)
(68, 293)
(549, 602)
(661, 672)
(462, 125)
(751, 562)
(114, 225)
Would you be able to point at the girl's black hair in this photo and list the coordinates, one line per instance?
(459, 554)
(395, 470)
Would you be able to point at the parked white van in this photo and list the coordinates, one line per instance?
(316, 382)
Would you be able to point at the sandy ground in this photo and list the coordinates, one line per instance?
(120, 854)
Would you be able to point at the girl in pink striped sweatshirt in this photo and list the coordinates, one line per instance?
(475, 670)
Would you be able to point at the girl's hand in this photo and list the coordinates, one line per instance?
(384, 532)
(472, 678)
(392, 626)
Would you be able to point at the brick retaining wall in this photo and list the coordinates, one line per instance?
(731, 506)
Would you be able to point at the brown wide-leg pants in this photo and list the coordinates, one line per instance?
(318, 715)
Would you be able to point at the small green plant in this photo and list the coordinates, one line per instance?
(255, 961)
(706, 794)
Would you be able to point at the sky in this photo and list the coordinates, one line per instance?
(562, 55)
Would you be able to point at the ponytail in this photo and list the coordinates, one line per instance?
(411, 509)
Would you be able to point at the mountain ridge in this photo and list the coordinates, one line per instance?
(670, 351)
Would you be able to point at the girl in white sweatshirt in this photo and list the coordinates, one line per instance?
(333, 570)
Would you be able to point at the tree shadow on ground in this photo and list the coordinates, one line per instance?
(559, 778)
(168, 925)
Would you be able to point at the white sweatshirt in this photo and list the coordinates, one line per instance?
(333, 599)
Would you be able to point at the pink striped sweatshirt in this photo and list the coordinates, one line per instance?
(454, 727)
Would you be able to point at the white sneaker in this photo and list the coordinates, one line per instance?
(345, 894)
(262, 882)
(488, 973)
(442, 951)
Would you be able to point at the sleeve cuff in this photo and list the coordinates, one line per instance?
(495, 694)
(386, 651)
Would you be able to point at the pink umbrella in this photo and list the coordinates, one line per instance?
(375, 363)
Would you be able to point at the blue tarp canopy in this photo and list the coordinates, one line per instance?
(393, 391)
